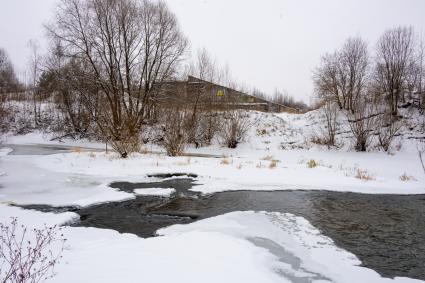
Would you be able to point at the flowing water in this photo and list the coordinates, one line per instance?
(386, 232)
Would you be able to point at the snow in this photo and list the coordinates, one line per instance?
(235, 247)
(336, 170)
(81, 178)
(5, 151)
(25, 183)
(161, 192)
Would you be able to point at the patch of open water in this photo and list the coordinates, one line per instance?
(386, 232)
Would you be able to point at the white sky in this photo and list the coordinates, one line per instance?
(268, 44)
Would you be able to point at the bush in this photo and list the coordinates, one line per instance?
(201, 127)
(234, 127)
(362, 121)
(329, 110)
(126, 143)
(26, 257)
(174, 135)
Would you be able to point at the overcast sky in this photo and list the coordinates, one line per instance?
(268, 44)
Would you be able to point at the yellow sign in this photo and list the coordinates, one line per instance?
(220, 93)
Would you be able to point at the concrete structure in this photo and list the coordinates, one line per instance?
(208, 94)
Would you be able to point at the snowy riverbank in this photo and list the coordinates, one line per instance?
(235, 247)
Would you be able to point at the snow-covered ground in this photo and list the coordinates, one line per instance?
(236, 247)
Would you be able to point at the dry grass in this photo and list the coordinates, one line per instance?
(407, 178)
(156, 163)
(273, 164)
(267, 157)
(364, 175)
(144, 150)
(225, 161)
(259, 165)
(318, 140)
(186, 162)
(76, 149)
(261, 132)
(311, 163)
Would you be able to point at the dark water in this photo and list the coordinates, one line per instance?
(386, 232)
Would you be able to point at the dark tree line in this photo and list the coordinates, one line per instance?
(8, 80)
(283, 98)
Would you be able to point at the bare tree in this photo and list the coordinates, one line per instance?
(394, 51)
(326, 80)
(62, 81)
(343, 74)
(353, 70)
(129, 47)
(205, 67)
(34, 67)
(201, 125)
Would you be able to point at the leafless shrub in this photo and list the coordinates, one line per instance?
(21, 118)
(203, 123)
(362, 121)
(174, 134)
(330, 111)
(234, 127)
(202, 128)
(209, 125)
(388, 127)
(62, 80)
(126, 142)
(28, 256)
